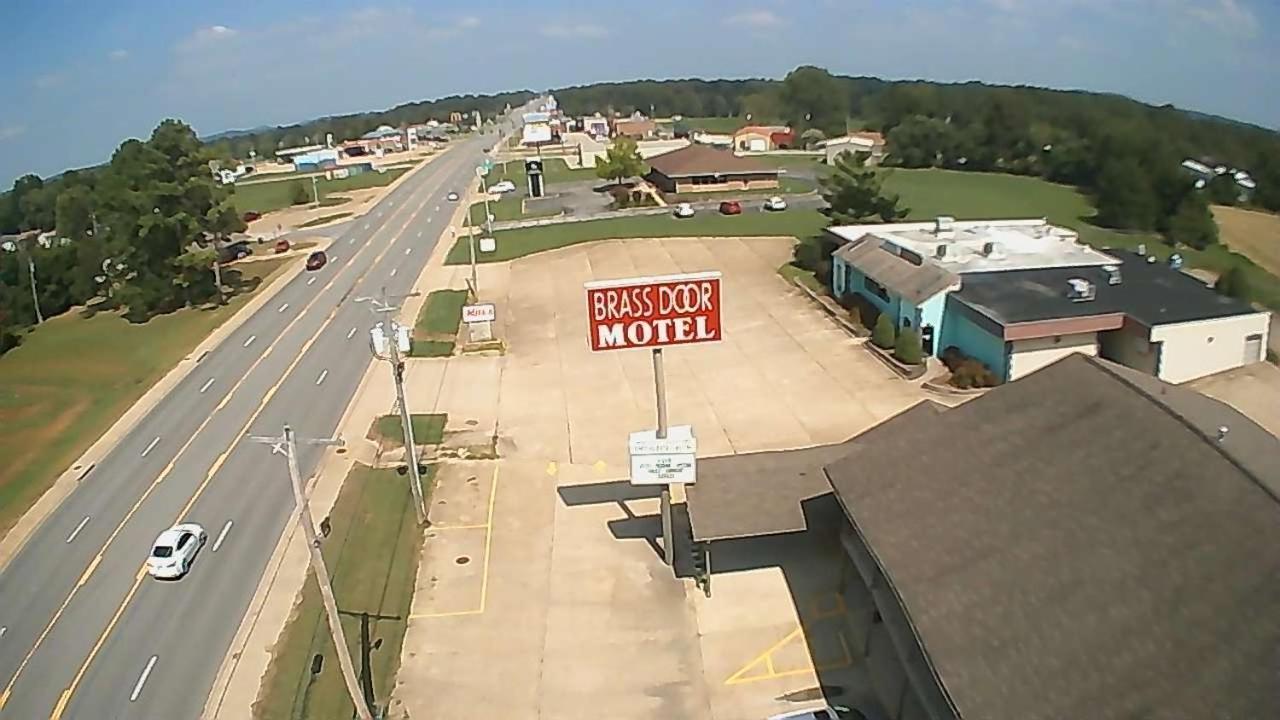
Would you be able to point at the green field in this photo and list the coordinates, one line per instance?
(372, 553)
(508, 208)
(437, 328)
(554, 170)
(74, 376)
(263, 197)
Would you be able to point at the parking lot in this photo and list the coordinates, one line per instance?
(542, 589)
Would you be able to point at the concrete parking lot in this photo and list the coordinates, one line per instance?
(1253, 390)
(542, 590)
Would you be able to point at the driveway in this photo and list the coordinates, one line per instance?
(542, 589)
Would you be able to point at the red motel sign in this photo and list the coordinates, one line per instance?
(651, 312)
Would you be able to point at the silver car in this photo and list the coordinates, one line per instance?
(175, 550)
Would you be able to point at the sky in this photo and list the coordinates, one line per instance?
(83, 77)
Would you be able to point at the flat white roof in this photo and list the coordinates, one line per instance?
(1017, 244)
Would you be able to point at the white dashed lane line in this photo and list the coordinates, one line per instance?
(323, 374)
(221, 536)
(349, 334)
(150, 447)
(3, 630)
(206, 385)
(142, 679)
(74, 533)
(283, 308)
(249, 342)
(408, 251)
(312, 280)
(393, 272)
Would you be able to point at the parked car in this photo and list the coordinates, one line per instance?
(234, 251)
(452, 196)
(282, 245)
(251, 216)
(317, 260)
(730, 207)
(775, 204)
(684, 210)
(505, 186)
(173, 552)
(830, 712)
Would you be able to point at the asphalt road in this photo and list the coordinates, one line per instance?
(80, 624)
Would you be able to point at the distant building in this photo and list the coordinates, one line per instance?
(698, 168)
(323, 159)
(1018, 294)
(869, 144)
(763, 138)
(637, 127)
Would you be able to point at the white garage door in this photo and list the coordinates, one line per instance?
(1252, 349)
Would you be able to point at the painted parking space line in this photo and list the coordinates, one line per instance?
(351, 332)
(249, 342)
(221, 536)
(74, 533)
(206, 385)
(142, 679)
(283, 308)
(488, 547)
(323, 374)
(151, 446)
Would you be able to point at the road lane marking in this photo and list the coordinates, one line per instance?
(146, 672)
(150, 447)
(312, 280)
(283, 308)
(3, 630)
(352, 332)
(79, 527)
(408, 251)
(366, 226)
(84, 578)
(393, 272)
(206, 385)
(419, 233)
(249, 342)
(333, 259)
(221, 536)
(352, 241)
(323, 374)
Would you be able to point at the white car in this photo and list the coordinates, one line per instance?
(505, 186)
(175, 550)
(684, 210)
(831, 712)
(775, 203)
(452, 196)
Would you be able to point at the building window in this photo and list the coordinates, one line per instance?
(876, 288)
(1057, 339)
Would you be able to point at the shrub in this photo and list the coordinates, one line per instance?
(952, 357)
(300, 194)
(907, 347)
(855, 315)
(973, 374)
(884, 335)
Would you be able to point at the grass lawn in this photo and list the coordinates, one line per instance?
(554, 170)
(74, 376)
(428, 429)
(508, 208)
(372, 554)
(263, 197)
(437, 327)
(802, 276)
(324, 219)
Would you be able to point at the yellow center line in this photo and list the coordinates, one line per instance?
(66, 695)
(4, 696)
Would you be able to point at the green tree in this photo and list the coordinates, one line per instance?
(907, 346)
(884, 335)
(621, 161)
(1125, 197)
(1234, 283)
(812, 98)
(1193, 225)
(299, 195)
(854, 193)
(810, 138)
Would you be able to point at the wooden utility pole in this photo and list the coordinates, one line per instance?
(287, 444)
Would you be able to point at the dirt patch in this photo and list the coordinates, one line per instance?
(1252, 233)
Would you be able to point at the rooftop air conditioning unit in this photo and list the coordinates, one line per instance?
(940, 252)
(1113, 274)
(945, 226)
(992, 249)
(1080, 290)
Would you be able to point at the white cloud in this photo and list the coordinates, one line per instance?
(574, 30)
(755, 18)
(118, 54)
(207, 37)
(468, 21)
(9, 132)
(1228, 16)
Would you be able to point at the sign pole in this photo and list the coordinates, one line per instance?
(660, 388)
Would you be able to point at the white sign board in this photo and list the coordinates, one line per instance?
(484, 312)
(663, 461)
(488, 244)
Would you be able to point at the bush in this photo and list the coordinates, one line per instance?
(884, 334)
(907, 347)
(855, 315)
(301, 195)
(952, 357)
(973, 374)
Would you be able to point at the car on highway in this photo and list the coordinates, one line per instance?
(173, 552)
(452, 196)
(730, 207)
(684, 210)
(317, 260)
(505, 186)
(282, 245)
(775, 203)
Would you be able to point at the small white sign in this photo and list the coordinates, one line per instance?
(663, 461)
(679, 439)
(488, 244)
(484, 312)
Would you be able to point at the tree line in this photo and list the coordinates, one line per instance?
(1126, 153)
(138, 233)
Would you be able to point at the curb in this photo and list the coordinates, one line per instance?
(17, 536)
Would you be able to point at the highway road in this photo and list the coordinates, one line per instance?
(84, 633)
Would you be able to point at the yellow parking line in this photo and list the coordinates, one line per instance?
(460, 527)
(488, 548)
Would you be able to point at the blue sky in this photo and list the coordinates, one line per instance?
(82, 77)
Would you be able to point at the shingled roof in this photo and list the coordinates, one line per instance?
(914, 281)
(1081, 543)
(702, 160)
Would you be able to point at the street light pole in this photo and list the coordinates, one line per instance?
(488, 216)
(471, 241)
(287, 444)
(315, 192)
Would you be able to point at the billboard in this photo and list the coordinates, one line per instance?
(652, 312)
(484, 312)
(536, 133)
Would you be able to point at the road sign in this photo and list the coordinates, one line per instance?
(664, 461)
(653, 312)
(488, 244)
(483, 312)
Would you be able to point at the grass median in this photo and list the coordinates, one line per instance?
(372, 552)
(436, 331)
(75, 375)
(428, 429)
(263, 197)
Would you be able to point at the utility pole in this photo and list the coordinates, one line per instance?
(390, 331)
(31, 272)
(471, 242)
(488, 216)
(287, 444)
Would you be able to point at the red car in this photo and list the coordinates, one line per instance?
(282, 245)
(251, 216)
(730, 207)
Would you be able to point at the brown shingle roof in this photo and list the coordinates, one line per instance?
(915, 282)
(702, 160)
(1075, 545)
